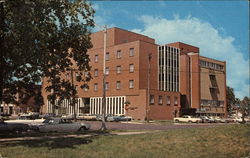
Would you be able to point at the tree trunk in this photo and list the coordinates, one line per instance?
(2, 51)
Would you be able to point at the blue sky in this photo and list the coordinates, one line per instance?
(220, 29)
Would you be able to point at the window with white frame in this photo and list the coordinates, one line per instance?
(107, 56)
(96, 58)
(131, 52)
(152, 99)
(106, 86)
(175, 100)
(96, 72)
(118, 84)
(131, 68)
(160, 100)
(168, 100)
(118, 69)
(118, 54)
(131, 83)
(106, 70)
(96, 87)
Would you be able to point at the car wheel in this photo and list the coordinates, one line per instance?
(189, 121)
(177, 121)
(18, 130)
(82, 129)
(197, 121)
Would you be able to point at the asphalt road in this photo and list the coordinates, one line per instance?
(95, 125)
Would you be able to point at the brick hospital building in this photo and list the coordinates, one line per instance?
(167, 80)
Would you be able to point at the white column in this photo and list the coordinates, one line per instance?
(112, 106)
(100, 106)
(106, 108)
(95, 106)
(109, 106)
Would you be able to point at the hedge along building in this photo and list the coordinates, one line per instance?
(151, 77)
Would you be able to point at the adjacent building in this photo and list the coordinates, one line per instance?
(159, 81)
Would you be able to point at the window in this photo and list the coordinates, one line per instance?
(118, 84)
(131, 68)
(86, 74)
(86, 89)
(152, 99)
(118, 54)
(95, 87)
(168, 100)
(175, 100)
(160, 100)
(107, 56)
(67, 76)
(96, 58)
(131, 83)
(131, 52)
(107, 71)
(96, 72)
(106, 86)
(118, 69)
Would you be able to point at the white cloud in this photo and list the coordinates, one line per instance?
(212, 44)
(101, 17)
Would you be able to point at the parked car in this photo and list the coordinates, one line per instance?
(26, 119)
(123, 118)
(13, 127)
(62, 125)
(89, 117)
(187, 118)
(110, 118)
(205, 119)
(216, 119)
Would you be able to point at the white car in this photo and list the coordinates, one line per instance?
(187, 118)
(62, 125)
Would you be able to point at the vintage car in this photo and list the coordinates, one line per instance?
(13, 127)
(62, 125)
(187, 118)
(27, 119)
(118, 118)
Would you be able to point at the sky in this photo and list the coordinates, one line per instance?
(219, 28)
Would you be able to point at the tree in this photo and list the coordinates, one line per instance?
(245, 107)
(35, 37)
(230, 99)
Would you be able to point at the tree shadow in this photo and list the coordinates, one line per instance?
(55, 142)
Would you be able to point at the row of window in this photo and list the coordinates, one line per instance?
(205, 102)
(207, 64)
(118, 70)
(160, 100)
(118, 55)
(118, 85)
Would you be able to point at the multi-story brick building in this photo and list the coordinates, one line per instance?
(166, 80)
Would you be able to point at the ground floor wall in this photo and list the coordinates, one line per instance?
(137, 107)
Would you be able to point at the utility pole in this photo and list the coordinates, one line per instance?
(103, 128)
(149, 67)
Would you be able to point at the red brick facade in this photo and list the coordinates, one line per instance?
(128, 52)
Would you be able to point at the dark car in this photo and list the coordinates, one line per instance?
(13, 127)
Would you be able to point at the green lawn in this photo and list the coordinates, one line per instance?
(231, 141)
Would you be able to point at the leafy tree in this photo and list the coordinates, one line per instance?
(230, 99)
(35, 37)
(245, 107)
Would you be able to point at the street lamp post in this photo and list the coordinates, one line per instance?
(103, 127)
